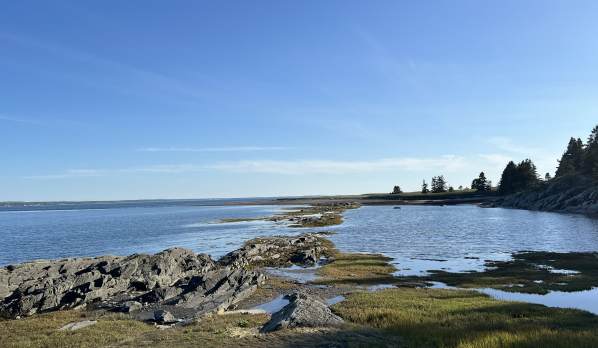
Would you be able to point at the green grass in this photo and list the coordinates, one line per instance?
(357, 270)
(461, 318)
(527, 273)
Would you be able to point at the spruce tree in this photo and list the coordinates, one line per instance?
(438, 184)
(572, 159)
(425, 187)
(481, 183)
(508, 180)
(396, 190)
(527, 175)
(590, 158)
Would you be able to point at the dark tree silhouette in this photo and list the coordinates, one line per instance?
(396, 190)
(438, 184)
(425, 187)
(590, 158)
(572, 159)
(481, 183)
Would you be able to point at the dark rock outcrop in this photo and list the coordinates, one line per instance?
(177, 275)
(573, 193)
(302, 311)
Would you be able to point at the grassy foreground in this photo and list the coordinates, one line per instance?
(460, 318)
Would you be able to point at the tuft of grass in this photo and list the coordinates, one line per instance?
(463, 318)
(530, 272)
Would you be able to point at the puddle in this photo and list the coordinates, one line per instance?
(273, 306)
(585, 300)
(334, 300)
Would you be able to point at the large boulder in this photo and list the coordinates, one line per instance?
(302, 310)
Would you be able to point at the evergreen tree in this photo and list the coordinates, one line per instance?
(425, 187)
(396, 190)
(481, 183)
(572, 159)
(590, 157)
(527, 175)
(547, 177)
(438, 184)
(508, 180)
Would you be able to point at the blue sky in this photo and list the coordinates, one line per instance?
(194, 99)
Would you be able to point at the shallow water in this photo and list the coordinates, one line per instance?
(581, 299)
(44, 233)
(274, 305)
(462, 236)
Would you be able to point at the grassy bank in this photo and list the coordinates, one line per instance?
(460, 318)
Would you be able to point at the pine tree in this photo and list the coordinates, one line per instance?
(438, 184)
(508, 180)
(527, 175)
(572, 159)
(590, 158)
(396, 190)
(425, 187)
(481, 183)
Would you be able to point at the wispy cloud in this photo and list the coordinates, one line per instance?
(448, 164)
(445, 163)
(190, 149)
(508, 145)
(21, 120)
(497, 161)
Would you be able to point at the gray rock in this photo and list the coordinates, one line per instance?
(574, 193)
(163, 317)
(302, 311)
(41, 286)
(131, 306)
(79, 325)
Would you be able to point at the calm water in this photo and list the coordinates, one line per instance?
(419, 238)
(415, 233)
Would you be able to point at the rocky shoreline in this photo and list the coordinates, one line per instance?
(173, 286)
(573, 193)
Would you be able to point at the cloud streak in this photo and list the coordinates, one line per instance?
(448, 164)
(190, 149)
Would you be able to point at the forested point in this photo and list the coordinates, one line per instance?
(578, 158)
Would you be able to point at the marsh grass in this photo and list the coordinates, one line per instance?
(356, 270)
(461, 318)
(530, 272)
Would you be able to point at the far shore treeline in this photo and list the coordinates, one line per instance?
(517, 177)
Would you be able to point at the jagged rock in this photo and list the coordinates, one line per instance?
(41, 286)
(302, 311)
(217, 290)
(131, 306)
(163, 317)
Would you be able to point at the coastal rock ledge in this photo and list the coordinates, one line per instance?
(573, 193)
(174, 276)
